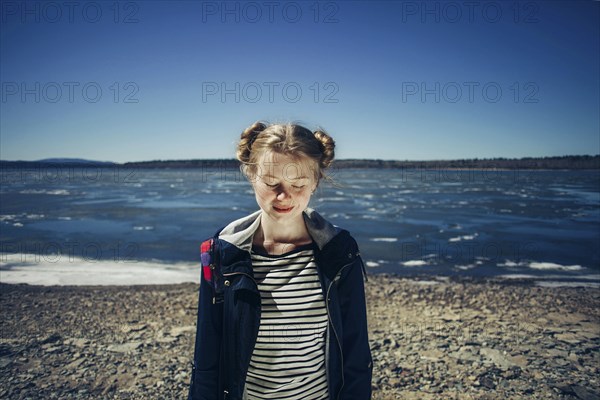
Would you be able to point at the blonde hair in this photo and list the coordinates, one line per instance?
(288, 139)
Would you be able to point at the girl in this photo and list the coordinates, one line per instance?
(281, 311)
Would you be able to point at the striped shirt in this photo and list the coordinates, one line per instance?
(288, 361)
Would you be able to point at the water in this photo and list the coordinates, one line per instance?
(410, 222)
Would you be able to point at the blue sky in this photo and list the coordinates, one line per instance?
(152, 80)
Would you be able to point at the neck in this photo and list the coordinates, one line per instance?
(273, 231)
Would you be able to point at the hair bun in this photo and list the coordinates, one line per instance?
(248, 137)
(327, 147)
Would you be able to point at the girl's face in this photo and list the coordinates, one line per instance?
(283, 185)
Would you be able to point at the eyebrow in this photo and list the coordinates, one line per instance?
(293, 179)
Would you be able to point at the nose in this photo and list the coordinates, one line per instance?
(282, 195)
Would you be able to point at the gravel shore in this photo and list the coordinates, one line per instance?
(430, 340)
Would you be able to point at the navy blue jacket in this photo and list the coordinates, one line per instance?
(227, 328)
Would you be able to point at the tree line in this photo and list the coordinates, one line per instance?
(558, 162)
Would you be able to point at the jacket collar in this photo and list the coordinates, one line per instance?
(241, 231)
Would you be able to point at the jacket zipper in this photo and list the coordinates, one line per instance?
(337, 338)
(226, 392)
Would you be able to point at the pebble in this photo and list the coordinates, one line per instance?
(455, 339)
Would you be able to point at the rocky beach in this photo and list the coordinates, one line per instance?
(431, 339)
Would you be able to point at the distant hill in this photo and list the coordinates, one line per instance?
(73, 161)
(54, 162)
(561, 162)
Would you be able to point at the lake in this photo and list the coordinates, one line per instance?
(481, 223)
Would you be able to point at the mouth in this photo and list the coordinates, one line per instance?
(282, 209)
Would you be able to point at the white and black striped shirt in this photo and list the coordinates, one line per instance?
(288, 361)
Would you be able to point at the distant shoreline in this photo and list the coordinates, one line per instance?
(573, 162)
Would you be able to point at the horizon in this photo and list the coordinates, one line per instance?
(75, 159)
(399, 80)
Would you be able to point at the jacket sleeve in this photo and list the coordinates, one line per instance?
(205, 378)
(358, 363)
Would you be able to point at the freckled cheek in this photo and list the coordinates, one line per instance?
(263, 194)
(303, 197)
